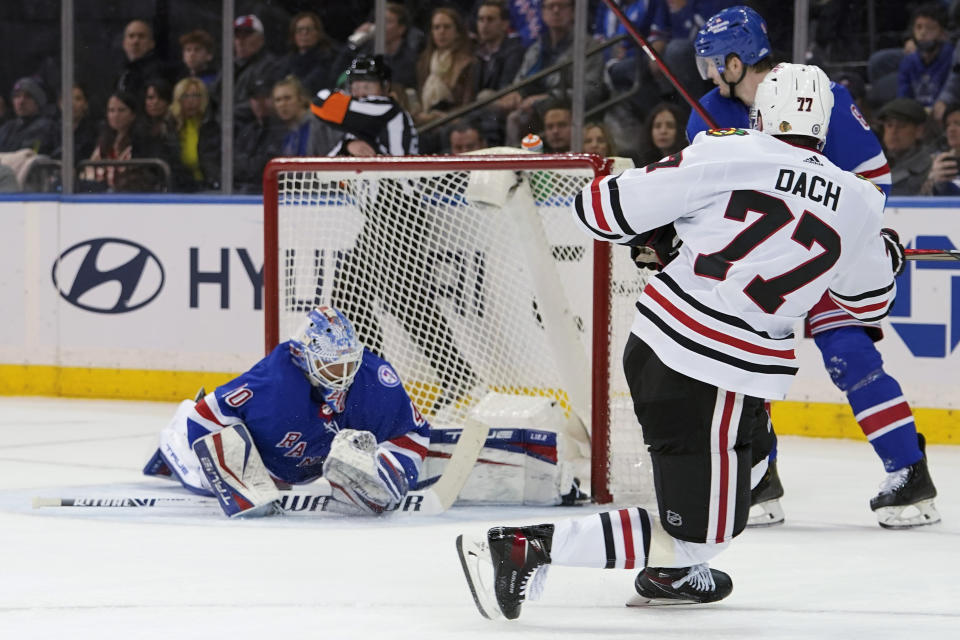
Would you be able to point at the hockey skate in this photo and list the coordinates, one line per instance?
(906, 496)
(698, 584)
(478, 570)
(765, 509)
(519, 557)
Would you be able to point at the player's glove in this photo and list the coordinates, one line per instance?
(655, 249)
(363, 476)
(898, 258)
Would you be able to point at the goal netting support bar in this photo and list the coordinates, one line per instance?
(468, 274)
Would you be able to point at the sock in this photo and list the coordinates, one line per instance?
(622, 540)
(855, 366)
(885, 418)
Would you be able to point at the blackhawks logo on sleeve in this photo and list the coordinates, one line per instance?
(875, 185)
(725, 131)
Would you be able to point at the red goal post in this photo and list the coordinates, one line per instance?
(440, 263)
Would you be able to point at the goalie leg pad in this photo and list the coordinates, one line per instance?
(175, 451)
(233, 468)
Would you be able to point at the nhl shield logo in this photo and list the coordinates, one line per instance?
(388, 377)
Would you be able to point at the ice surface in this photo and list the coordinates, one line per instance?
(829, 572)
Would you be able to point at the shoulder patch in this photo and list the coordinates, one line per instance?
(859, 116)
(238, 397)
(388, 377)
(875, 185)
(726, 131)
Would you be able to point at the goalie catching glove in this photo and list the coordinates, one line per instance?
(362, 475)
(655, 249)
(898, 258)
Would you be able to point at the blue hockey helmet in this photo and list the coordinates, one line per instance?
(326, 349)
(738, 30)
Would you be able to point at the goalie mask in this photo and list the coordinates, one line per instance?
(327, 350)
(795, 100)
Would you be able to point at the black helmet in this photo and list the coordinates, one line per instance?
(366, 67)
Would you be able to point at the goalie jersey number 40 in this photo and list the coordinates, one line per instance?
(767, 228)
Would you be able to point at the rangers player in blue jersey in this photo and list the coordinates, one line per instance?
(733, 51)
(320, 404)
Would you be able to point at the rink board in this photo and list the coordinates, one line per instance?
(148, 297)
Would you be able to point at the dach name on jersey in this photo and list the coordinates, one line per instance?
(815, 188)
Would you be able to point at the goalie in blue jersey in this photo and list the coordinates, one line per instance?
(319, 405)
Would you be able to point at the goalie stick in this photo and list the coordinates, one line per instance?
(316, 500)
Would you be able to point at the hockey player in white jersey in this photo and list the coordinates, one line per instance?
(734, 52)
(768, 226)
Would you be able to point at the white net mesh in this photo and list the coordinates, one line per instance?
(465, 281)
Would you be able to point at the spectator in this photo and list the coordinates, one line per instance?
(597, 140)
(258, 141)
(621, 58)
(198, 54)
(465, 136)
(290, 103)
(252, 61)
(682, 20)
(944, 176)
(499, 53)
(553, 46)
(923, 73)
(446, 69)
(314, 55)
(194, 123)
(557, 127)
(663, 133)
(624, 68)
(904, 121)
(402, 46)
(142, 62)
(158, 95)
(84, 124)
(29, 129)
(526, 20)
(122, 138)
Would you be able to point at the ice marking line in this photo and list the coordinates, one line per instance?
(77, 441)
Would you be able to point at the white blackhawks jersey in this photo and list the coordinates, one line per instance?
(767, 228)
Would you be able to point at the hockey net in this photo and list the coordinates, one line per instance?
(468, 274)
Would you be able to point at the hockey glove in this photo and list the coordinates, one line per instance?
(898, 259)
(363, 476)
(655, 249)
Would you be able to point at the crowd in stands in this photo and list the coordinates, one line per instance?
(443, 56)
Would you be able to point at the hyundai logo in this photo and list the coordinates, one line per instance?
(108, 275)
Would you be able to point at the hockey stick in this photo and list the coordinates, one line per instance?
(932, 254)
(653, 55)
(292, 503)
(316, 501)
